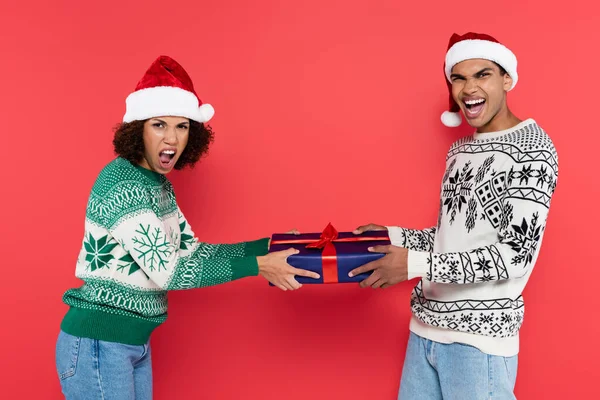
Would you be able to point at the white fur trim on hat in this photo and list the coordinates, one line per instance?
(451, 119)
(165, 101)
(476, 48)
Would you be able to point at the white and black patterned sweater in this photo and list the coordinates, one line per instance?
(475, 263)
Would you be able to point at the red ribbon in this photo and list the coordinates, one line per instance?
(329, 255)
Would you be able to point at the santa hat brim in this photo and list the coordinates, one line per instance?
(165, 101)
(475, 48)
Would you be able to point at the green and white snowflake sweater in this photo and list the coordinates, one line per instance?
(494, 201)
(137, 246)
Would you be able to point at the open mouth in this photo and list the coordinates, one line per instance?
(166, 158)
(474, 107)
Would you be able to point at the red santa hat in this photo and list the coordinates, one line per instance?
(166, 90)
(470, 46)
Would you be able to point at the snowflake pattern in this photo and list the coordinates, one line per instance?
(457, 190)
(483, 264)
(500, 318)
(418, 240)
(98, 252)
(127, 263)
(187, 241)
(542, 176)
(524, 239)
(153, 248)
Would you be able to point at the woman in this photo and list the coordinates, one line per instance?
(138, 245)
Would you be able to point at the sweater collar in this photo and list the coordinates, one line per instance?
(153, 176)
(493, 135)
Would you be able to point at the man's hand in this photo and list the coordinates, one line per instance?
(369, 227)
(274, 268)
(388, 270)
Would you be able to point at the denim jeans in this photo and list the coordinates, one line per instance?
(92, 369)
(455, 372)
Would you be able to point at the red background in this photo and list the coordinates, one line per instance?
(325, 111)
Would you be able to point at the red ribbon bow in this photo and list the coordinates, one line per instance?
(329, 254)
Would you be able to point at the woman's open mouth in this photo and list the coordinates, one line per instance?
(166, 158)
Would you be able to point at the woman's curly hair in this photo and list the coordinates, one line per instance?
(129, 142)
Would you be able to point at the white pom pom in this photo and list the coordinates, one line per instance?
(206, 112)
(451, 119)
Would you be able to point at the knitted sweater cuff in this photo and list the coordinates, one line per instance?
(396, 235)
(243, 267)
(418, 264)
(257, 247)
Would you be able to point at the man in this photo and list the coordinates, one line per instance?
(467, 307)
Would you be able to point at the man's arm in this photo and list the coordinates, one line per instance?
(512, 256)
(524, 213)
(414, 239)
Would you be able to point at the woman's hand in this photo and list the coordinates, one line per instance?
(274, 268)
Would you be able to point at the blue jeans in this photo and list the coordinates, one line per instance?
(91, 369)
(455, 372)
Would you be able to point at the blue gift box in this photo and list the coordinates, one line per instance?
(331, 254)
